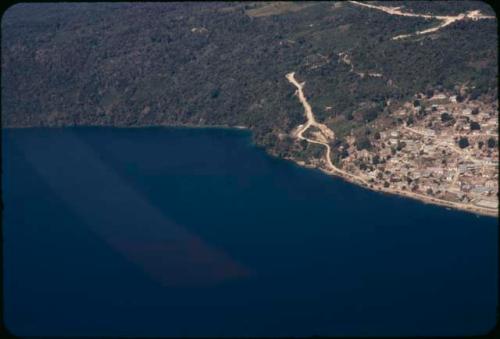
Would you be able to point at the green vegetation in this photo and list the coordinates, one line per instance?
(221, 63)
(492, 143)
(463, 142)
(363, 142)
(445, 117)
(474, 126)
(266, 8)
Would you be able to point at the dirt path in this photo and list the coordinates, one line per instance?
(446, 20)
(344, 57)
(311, 121)
(332, 170)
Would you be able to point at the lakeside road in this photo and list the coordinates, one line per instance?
(333, 170)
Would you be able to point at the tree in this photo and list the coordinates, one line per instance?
(371, 114)
(475, 93)
(474, 126)
(463, 142)
(336, 143)
(480, 144)
(363, 143)
(215, 93)
(491, 143)
(416, 103)
(445, 117)
(475, 111)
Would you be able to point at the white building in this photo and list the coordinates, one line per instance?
(439, 96)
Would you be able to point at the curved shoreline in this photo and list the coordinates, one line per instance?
(334, 172)
(240, 127)
(360, 181)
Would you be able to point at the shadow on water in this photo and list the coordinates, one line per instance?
(218, 234)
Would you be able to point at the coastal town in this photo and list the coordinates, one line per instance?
(445, 148)
(440, 148)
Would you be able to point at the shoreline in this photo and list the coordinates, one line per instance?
(402, 193)
(406, 194)
(238, 127)
(356, 179)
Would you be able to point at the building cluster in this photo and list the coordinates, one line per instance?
(444, 148)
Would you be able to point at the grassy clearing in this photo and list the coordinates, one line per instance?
(276, 8)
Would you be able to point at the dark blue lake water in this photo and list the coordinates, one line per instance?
(171, 232)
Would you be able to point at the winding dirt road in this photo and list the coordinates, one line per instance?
(311, 121)
(446, 20)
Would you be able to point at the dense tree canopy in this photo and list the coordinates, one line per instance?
(224, 63)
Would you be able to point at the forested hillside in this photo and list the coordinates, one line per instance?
(224, 63)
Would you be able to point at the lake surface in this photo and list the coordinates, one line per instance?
(173, 232)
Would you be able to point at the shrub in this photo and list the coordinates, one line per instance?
(474, 126)
(445, 117)
(363, 143)
(371, 114)
(491, 143)
(463, 142)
